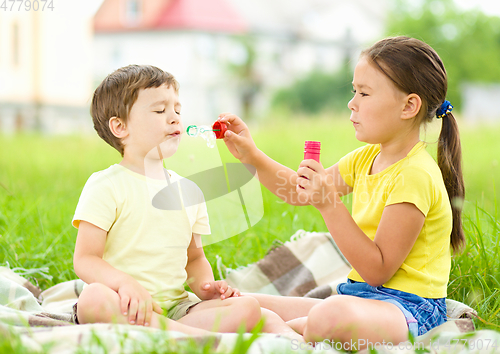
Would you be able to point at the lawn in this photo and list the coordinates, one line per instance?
(41, 179)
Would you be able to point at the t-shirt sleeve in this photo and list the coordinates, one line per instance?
(412, 185)
(347, 165)
(97, 204)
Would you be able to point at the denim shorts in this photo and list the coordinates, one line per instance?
(421, 314)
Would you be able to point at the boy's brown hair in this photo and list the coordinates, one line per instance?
(117, 93)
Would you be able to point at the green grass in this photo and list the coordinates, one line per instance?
(41, 179)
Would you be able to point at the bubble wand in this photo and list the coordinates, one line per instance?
(217, 131)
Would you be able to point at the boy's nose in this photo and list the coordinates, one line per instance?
(174, 119)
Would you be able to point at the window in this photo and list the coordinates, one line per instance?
(132, 12)
(15, 44)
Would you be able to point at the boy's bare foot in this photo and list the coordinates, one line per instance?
(298, 324)
(275, 324)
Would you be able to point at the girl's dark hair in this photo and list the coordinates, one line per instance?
(415, 67)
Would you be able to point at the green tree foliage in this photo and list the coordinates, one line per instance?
(316, 92)
(468, 42)
(245, 72)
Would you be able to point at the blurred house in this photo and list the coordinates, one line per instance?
(192, 39)
(230, 55)
(45, 68)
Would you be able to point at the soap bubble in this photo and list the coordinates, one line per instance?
(209, 137)
(204, 131)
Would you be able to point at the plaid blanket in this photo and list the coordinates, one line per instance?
(307, 265)
(311, 265)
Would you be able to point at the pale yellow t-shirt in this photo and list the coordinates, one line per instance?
(415, 179)
(143, 240)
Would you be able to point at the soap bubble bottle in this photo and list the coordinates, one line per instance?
(210, 134)
(312, 150)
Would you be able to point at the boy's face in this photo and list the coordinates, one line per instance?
(154, 121)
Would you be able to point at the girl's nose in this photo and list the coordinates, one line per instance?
(351, 105)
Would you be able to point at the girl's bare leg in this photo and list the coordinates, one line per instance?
(287, 307)
(356, 322)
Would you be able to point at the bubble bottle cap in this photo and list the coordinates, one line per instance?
(312, 150)
(219, 128)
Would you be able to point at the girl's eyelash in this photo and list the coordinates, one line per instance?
(361, 93)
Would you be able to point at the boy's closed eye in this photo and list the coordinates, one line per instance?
(161, 112)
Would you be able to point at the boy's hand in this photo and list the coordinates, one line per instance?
(137, 303)
(218, 289)
(237, 138)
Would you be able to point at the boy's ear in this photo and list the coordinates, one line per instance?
(412, 106)
(118, 127)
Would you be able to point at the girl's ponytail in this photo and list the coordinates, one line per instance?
(449, 159)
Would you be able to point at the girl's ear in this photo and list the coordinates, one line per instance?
(412, 106)
(118, 127)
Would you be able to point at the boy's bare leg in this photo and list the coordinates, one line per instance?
(100, 304)
(224, 315)
(287, 307)
(227, 315)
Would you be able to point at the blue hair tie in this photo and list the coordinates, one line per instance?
(444, 110)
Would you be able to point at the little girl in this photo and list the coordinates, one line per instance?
(406, 208)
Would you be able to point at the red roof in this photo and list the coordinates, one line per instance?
(203, 15)
(214, 15)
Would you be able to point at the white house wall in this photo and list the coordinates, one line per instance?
(52, 81)
(16, 80)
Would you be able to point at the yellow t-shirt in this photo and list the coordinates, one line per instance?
(415, 179)
(145, 241)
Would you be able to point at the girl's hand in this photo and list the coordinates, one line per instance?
(218, 289)
(314, 185)
(137, 303)
(237, 138)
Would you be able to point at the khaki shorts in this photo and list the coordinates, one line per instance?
(181, 309)
(175, 313)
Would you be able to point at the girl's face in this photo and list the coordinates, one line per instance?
(377, 105)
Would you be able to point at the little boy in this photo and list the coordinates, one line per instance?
(134, 257)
